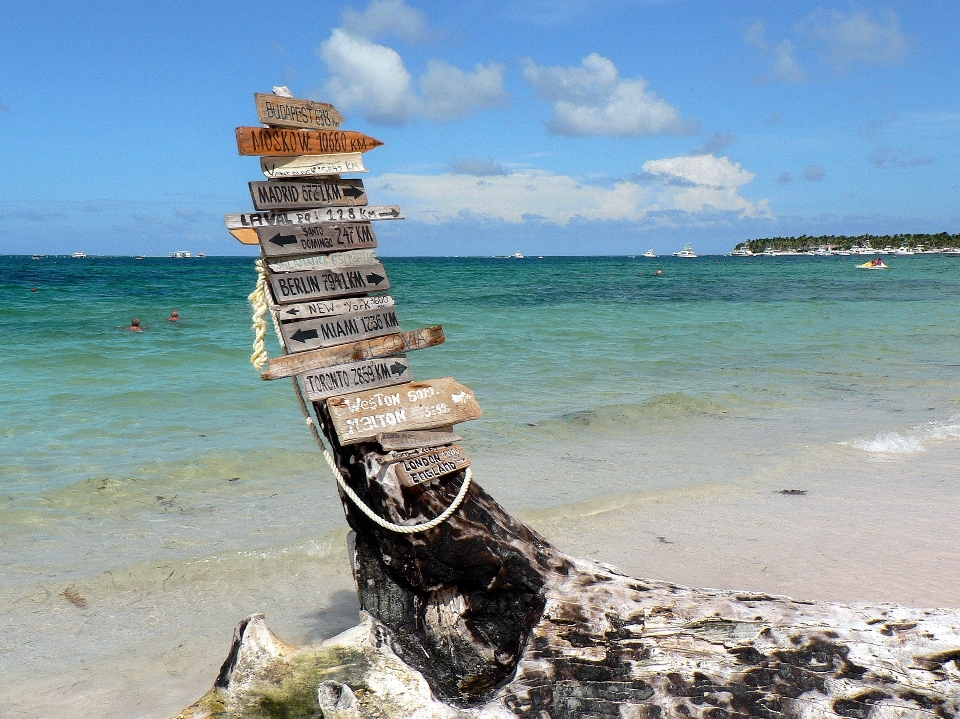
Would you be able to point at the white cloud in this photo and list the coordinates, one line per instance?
(856, 38)
(383, 18)
(450, 93)
(593, 100)
(785, 66)
(690, 185)
(373, 79)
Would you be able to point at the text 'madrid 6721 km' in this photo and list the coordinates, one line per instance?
(468, 613)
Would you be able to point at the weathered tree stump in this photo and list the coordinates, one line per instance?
(482, 617)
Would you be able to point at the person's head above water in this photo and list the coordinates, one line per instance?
(174, 316)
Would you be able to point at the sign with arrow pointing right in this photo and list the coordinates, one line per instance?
(308, 285)
(367, 374)
(291, 195)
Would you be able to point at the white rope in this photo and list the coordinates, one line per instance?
(399, 528)
(258, 299)
(374, 517)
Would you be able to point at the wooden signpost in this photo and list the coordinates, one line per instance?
(416, 405)
(278, 111)
(329, 308)
(318, 262)
(368, 374)
(288, 143)
(309, 285)
(281, 240)
(290, 365)
(328, 331)
(241, 225)
(423, 466)
(277, 168)
(293, 194)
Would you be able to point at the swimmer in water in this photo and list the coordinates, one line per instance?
(174, 317)
(135, 325)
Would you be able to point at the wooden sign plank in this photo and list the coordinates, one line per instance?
(289, 365)
(330, 308)
(322, 384)
(416, 405)
(245, 220)
(415, 440)
(277, 168)
(309, 285)
(246, 235)
(329, 331)
(319, 262)
(281, 240)
(278, 111)
(293, 194)
(288, 143)
(431, 464)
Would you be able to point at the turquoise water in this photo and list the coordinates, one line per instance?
(159, 476)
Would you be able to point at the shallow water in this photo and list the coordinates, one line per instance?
(645, 421)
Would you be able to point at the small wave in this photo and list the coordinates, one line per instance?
(913, 441)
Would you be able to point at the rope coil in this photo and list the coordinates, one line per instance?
(259, 358)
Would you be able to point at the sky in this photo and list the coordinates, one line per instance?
(550, 127)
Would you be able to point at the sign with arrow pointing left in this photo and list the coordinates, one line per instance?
(321, 237)
(308, 285)
(339, 329)
(368, 374)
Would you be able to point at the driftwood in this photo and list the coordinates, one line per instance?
(482, 617)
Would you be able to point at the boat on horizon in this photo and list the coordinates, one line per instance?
(649, 253)
(518, 255)
(180, 255)
(744, 251)
(79, 255)
(687, 251)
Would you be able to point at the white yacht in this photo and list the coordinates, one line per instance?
(743, 251)
(650, 253)
(518, 255)
(180, 255)
(79, 255)
(903, 250)
(687, 251)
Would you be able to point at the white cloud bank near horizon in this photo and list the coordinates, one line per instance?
(593, 99)
(696, 188)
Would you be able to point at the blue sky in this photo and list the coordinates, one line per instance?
(562, 127)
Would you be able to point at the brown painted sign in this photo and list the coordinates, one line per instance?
(280, 240)
(278, 111)
(416, 405)
(319, 262)
(420, 467)
(277, 168)
(288, 143)
(309, 285)
(328, 331)
(330, 308)
(289, 365)
(246, 235)
(321, 384)
(291, 194)
(415, 440)
(241, 220)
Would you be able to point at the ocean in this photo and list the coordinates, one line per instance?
(782, 425)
